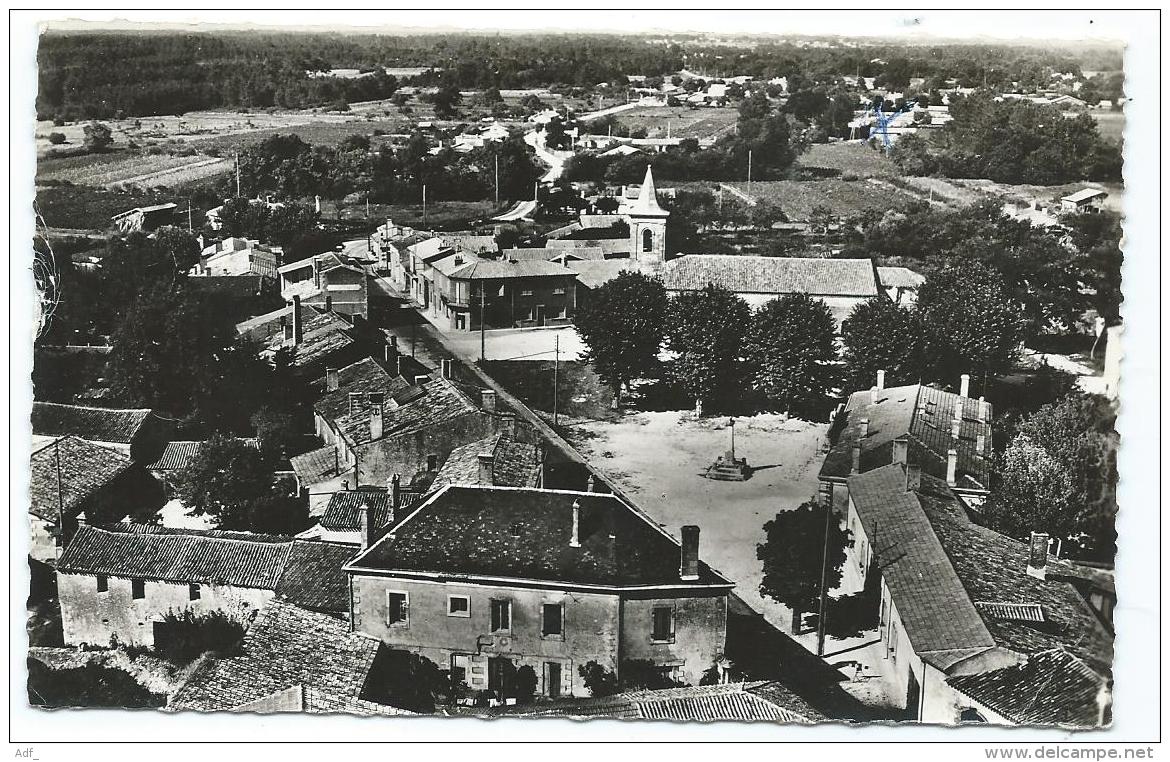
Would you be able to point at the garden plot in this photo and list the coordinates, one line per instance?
(123, 168)
(842, 198)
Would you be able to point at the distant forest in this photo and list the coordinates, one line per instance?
(106, 75)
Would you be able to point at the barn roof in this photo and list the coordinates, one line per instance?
(772, 275)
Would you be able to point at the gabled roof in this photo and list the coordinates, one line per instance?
(514, 464)
(145, 210)
(97, 424)
(593, 273)
(923, 414)
(316, 465)
(647, 203)
(428, 403)
(926, 590)
(772, 275)
(1084, 195)
(1051, 688)
(366, 375)
(237, 559)
(343, 515)
(286, 646)
(523, 536)
(899, 277)
(322, 334)
(313, 577)
(67, 472)
(482, 269)
(179, 454)
(739, 702)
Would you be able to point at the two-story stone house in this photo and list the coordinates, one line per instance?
(489, 580)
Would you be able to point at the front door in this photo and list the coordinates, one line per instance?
(540, 314)
(553, 682)
(498, 672)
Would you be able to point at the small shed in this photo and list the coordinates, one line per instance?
(1084, 200)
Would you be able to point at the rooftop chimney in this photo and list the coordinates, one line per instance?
(396, 367)
(507, 425)
(952, 465)
(365, 526)
(395, 490)
(332, 379)
(689, 561)
(589, 483)
(863, 428)
(391, 350)
(856, 458)
(1038, 555)
(488, 399)
(965, 385)
(575, 540)
(421, 379)
(298, 330)
(901, 447)
(487, 476)
(287, 328)
(913, 478)
(377, 399)
(328, 300)
(82, 519)
(446, 367)
(881, 379)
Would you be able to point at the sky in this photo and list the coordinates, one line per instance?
(992, 24)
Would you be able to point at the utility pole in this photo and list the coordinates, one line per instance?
(536, 191)
(556, 371)
(367, 208)
(497, 179)
(190, 225)
(824, 592)
(749, 167)
(482, 330)
(424, 200)
(237, 174)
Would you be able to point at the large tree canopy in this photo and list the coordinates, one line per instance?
(792, 349)
(706, 330)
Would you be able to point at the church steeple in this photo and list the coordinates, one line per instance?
(647, 222)
(647, 203)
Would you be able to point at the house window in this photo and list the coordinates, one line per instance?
(647, 240)
(552, 620)
(459, 605)
(893, 641)
(103, 583)
(526, 292)
(552, 679)
(501, 615)
(558, 290)
(137, 589)
(432, 463)
(662, 624)
(397, 608)
(194, 591)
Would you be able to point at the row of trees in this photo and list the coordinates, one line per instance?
(784, 354)
(291, 168)
(86, 75)
(1011, 141)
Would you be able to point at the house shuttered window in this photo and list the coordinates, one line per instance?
(103, 583)
(552, 620)
(397, 609)
(501, 615)
(137, 589)
(662, 624)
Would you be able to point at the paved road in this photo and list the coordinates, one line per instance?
(522, 210)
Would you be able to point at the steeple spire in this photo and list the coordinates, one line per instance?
(647, 203)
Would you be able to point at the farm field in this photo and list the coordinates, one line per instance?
(82, 207)
(1111, 124)
(682, 122)
(127, 168)
(847, 156)
(843, 198)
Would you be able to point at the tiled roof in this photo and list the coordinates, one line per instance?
(469, 242)
(483, 269)
(899, 277)
(524, 534)
(772, 275)
(991, 567)
(84, 469)
(614, 248)
(363, 376)
(234, 286)
(174, 557)
(342, 513)
(930, 599)
(316, 465)
(179, 454)
(94, 423)
(514, 464)
(440, 401)
(313, 576)
(1051, 688)
(322, 334)
(924, 415)
(286, 646)
(592, 273)
(741, 702)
